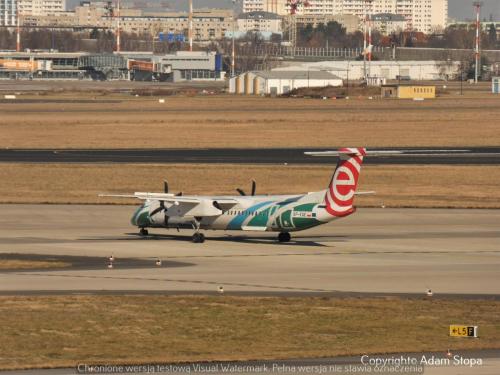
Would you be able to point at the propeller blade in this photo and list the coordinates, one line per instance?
(158, 209)
(254, 186)
(240, 191)
(165, 186)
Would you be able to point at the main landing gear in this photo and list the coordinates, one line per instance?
(198, 237)
(284, 237)
(143, 232)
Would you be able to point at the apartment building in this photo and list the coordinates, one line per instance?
(41, 7)
(420, 15)
(259, 22)
(208, 24)
(388, 23)
(8, 12)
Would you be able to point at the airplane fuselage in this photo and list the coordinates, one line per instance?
(278, 213)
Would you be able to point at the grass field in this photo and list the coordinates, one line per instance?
(236, 121)
(396, 185)
(64, 331)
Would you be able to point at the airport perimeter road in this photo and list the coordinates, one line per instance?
(373, 251)
(428, 155)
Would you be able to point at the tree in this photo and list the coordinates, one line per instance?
(492, 36)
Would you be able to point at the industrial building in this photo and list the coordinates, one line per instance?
(280, 82)
(408, 91)
(409, 70)
(143, 66)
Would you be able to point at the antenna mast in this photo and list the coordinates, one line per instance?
(477, 5)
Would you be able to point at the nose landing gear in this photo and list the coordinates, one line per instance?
(143, 232)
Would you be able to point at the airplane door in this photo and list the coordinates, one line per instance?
(286, 219)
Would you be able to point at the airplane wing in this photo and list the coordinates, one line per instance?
(155, 196)
(184, 205)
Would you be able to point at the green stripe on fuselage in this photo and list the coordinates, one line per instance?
(305, 222)
(302, 222)
(305, 207)
(141, 217)
(261, 219)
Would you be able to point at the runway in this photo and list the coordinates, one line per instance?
(462, 156)
(373, 252)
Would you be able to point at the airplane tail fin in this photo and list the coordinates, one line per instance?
(340, 194)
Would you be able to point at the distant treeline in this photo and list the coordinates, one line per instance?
(89, 41)
(334, 35)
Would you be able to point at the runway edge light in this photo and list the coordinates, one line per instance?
(463, 331)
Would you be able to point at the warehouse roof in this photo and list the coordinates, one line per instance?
(296, 74)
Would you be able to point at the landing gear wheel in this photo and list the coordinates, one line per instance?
(284, 237)
(143, 232)
(198, 238)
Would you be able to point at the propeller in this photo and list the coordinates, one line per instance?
(165, 189)
(254, 187)
(158, 209)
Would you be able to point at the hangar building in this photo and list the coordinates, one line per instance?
(277, 82)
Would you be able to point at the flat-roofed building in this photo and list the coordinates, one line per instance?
(388, 23)
(208, 24)
(8, 12)
(259, 21)
(420, 15)
(41, 7)
(276, 82)
(351, 22)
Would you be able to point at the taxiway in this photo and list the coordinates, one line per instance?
(380, 251)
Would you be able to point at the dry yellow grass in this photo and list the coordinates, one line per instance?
(396, 185)
(66, 330)
(18, 264)
(233, 121)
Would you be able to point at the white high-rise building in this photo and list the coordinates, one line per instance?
(41, 7)
(420, 15)
(8, 12)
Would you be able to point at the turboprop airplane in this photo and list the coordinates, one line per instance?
(261, 213)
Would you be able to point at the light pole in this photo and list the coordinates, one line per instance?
(18, 29)
(232, 40)
(347, 80)
(461, 78)
(477, 5)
